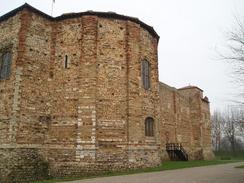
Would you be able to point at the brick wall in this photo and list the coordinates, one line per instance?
(9, 89)
(75, 103)
(185, 120)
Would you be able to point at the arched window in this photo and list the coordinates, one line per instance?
(149, 127)
(5, 65)
(145, 74)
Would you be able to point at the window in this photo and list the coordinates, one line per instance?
(146, 74)
(5, 65)
(149, 132)
(66, 62)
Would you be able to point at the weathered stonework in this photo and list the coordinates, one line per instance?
(185, 119)
(75, 103)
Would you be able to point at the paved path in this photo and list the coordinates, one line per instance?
(209, 174)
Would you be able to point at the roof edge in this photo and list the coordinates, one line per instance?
(22, 7)
(206, 101)
(74, 15)
(190, 87)
(167, 86)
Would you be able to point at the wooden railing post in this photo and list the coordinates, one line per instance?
(176, 151)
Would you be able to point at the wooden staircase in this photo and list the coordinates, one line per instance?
(176, 152)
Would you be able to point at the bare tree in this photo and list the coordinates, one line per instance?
(235, 55)
(228, 128)
(232, 125)
(216, 130)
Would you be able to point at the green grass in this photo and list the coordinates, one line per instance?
(172, 165)
(168, 165)
(242, 166)
(239, 155)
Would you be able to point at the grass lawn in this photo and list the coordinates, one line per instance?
(242, 166)
(229, 155)
(171, 165)
(168, 165)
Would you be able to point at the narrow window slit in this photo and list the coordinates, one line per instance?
(66, 62)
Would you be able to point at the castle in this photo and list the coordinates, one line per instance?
(80, 94)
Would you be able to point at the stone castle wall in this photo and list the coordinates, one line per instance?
(75, 102)
(176, 124)
(185, 119)
(9, 89)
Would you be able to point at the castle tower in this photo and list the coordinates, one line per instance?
(79, 93)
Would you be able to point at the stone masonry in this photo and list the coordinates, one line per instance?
(75, 104)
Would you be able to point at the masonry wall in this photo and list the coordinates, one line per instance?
(35, 90)
(21, 133)
(176, 126)
(111, 91)
(87, 117)
(185, 119)
(142, 103)
(195, 96)
(76, 105)
(9, 88)
(206, 128)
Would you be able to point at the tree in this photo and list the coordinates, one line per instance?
(236, 55)
(228, 129)
(232, 125)
(216, 130)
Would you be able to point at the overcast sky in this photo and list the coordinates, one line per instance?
(190, 33)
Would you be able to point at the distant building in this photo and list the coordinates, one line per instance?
(79, 94)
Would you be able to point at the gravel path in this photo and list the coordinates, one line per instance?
(208, 174)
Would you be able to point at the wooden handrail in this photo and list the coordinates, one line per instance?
(177, 148)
